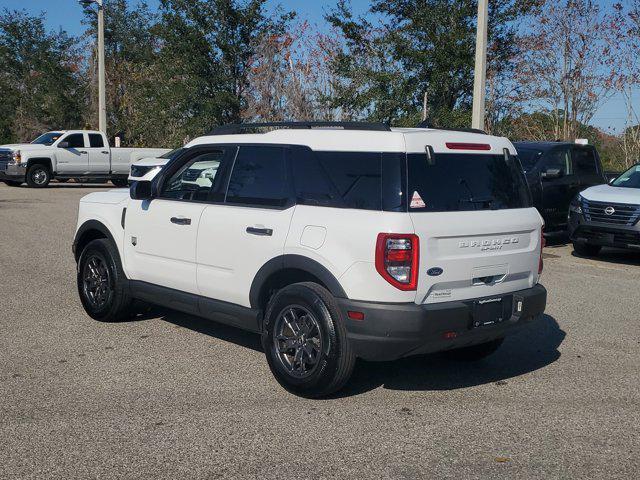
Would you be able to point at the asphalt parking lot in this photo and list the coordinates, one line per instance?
(172, 396)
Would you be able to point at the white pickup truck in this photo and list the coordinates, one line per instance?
(66, 154)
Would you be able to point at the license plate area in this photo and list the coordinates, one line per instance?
(488, 311)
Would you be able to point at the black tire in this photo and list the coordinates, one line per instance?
(38, 176)
(11, 183)
(474, 352)
(120, 182)
(586, 250)
(110, 301)
(333, 355)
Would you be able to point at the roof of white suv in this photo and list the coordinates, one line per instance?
(411, 140)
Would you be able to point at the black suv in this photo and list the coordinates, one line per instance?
(556, 173)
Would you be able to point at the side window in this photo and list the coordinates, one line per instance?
(559, 158)
(312, 184)
(356, 176)
(195, 180)
(75, 140)
(259, 177)
(95, 140)
(585, 161)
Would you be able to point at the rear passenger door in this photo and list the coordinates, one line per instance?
(99, 158)
(557, 191)
(586, 166)
(236, 238)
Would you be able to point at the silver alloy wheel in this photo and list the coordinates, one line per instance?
(297, 341)
(39, 176)
(96, 282)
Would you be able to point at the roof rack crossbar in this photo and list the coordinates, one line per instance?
(426, 124)
(243, 127)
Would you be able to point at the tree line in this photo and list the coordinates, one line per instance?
(175, 72)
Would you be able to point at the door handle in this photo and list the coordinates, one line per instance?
(105, 152)
(83, 152)
(181, 220)
(263, 232)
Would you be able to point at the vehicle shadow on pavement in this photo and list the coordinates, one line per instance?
(207, 327)
(533, 348)
(614, 255)
(557, 239)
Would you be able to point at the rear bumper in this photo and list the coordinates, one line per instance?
(13, 172)
(602, 234)
(392, 331)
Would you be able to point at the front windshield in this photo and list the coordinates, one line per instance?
(172, 153)
(629, 179)
(47, 138)
(529, 157)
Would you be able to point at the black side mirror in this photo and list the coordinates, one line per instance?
(63, 145)
(550, 173)
(141, 190)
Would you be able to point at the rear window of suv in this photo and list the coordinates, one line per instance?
(463, 182)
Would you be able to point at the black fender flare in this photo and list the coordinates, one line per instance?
(87, 226)
(298, 262)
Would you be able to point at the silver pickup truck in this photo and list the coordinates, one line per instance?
(66, 154)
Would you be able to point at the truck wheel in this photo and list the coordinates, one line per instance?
(102, 282)
(305, 341)
(11, 183)
(119, 182)
(474, 352)
(586, 250)
(38, 176)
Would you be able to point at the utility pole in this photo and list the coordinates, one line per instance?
(480, 76)
(102, 98)
(102, 102)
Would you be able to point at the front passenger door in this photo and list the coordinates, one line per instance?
(72, 158)
(161, 234)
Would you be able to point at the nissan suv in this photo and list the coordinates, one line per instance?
(333, 241)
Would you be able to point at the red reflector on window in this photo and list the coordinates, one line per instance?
(468, 146)
(355, 315)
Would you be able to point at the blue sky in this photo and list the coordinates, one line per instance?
(67, 14)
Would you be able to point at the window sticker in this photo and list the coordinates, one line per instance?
(416, 201)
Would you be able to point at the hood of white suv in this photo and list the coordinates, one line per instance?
(152, 162)
(110, 197)
(607, 193)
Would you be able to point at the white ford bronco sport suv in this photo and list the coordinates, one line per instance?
(331, 240)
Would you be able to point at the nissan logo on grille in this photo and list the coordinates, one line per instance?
(609, 210)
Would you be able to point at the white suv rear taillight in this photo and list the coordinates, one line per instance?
(397, 258)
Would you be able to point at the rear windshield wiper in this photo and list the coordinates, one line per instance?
(483, 202)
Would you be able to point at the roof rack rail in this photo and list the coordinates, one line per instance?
(426, 124)
(243, 127)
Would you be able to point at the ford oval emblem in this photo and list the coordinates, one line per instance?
(434, 272)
